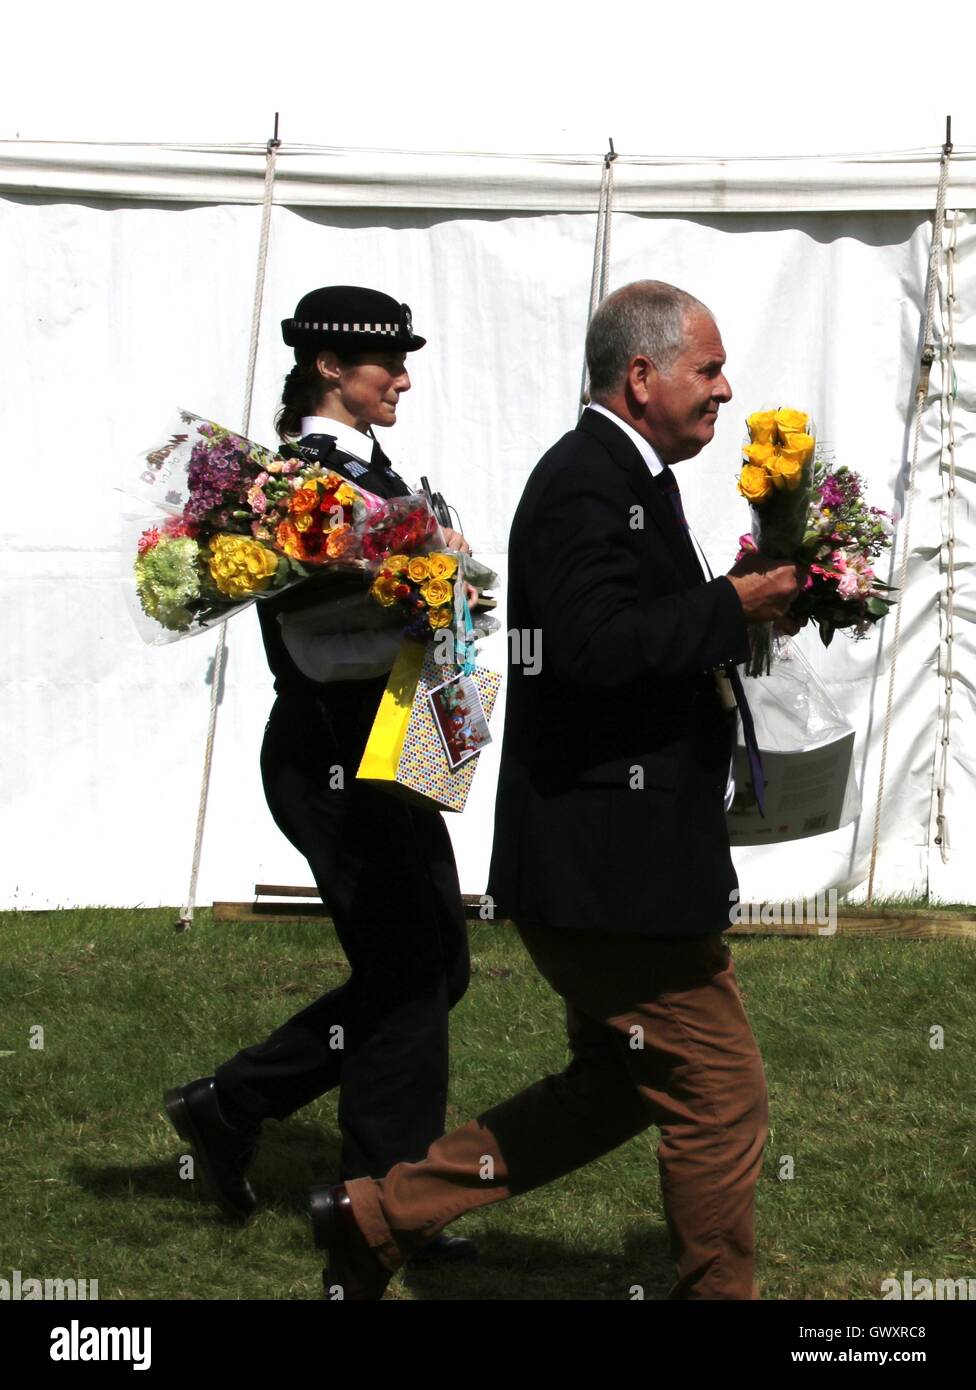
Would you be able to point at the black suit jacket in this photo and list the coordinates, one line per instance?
(610, 804)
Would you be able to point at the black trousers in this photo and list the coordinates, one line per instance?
(386, 873)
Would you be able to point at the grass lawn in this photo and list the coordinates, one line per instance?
(881, 1126)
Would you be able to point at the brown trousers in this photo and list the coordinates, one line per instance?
(658, 1036)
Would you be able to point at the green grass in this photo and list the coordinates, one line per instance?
(881, 1127)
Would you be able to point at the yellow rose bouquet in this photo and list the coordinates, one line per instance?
(775, 479)
(776, 473)
(422, 587)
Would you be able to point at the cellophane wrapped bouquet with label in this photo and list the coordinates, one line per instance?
(228, 522)
(809, 510)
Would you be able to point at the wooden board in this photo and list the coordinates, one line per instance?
(282, 890)
(907, 926)
(269, 912)
(312, 911)
(910, 925)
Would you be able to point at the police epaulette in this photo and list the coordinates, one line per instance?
(304, 451)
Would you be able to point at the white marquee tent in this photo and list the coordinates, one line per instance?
(129, 278)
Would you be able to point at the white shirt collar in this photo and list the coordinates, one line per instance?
(348, 439)
(656, 466)
(647, 452)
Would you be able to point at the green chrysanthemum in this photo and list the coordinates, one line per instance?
(168, 578)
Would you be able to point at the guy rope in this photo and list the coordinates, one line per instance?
(921, 396)
(601, 253)
(219, 660)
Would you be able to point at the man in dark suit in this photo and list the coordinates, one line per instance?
(611, 852)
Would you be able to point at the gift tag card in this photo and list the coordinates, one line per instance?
(460, 719)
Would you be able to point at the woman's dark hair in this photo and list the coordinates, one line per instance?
(301, 393)
(304, 388)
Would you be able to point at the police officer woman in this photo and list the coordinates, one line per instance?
(385, 869)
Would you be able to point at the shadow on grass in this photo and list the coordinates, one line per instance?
(517, 1267)
(292, 1157)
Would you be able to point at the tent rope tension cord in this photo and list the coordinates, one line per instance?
(220, 653)
(946, 651)
(601, 256)
(921, 396)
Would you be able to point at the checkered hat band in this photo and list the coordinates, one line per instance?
(392, 328)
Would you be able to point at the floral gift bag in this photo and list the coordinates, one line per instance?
(431, 724)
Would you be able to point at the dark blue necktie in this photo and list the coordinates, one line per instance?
(749, 736)
(668, 484)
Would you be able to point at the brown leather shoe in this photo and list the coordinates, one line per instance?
(354, 1270)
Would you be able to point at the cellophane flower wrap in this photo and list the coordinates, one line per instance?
(808, 510)
(232, 522)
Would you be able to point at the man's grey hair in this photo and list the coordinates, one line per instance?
(644, 318)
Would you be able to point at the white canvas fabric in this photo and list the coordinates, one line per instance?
(128, 292)
(322, 176)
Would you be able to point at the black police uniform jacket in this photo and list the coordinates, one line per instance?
(354, 703)
(610, 803)
(373, 857)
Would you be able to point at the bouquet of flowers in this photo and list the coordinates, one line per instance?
(236, 522)
(808, 510)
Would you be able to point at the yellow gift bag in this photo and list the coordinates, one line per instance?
(406, 751)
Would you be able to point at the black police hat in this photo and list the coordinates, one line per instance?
(352, 319)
